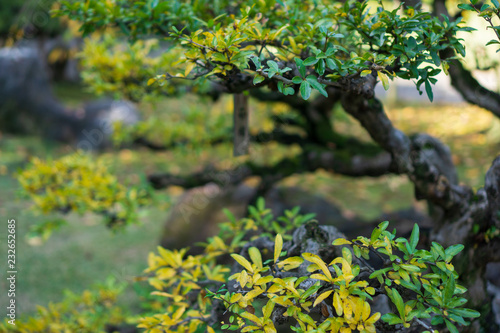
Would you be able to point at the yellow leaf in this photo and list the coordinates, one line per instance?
(251, 317)
(243, 279)
(374, 318)
(348, 309)
(318, 261)
(255, 256)
(274, 35)
(320, 277)
(445, 66)
(322, 297)
(341, 241)
(253, 293)
(189, 68)
(264, 280)
(242, 261)
(178, 314)
(151, 81)
(337, 304)
(346, 253)
(278, 245)
(235, 298)
(290, 263)
(270, 329)
(267, 310)
(366, 311)
(365, 73)
(384, 79)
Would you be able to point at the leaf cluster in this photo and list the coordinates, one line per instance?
(88, 312)
(77, 183)
(269, 287)
(488, 12)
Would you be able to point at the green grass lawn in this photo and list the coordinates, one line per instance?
(85, 252)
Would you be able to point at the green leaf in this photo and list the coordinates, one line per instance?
(273, 65)
(280, 86)
(467, 313)
(436, 320)
(453, 251)
(414, 238)
(382, 226)
(449, 290)
(457, 301)
(305, 90)
(297, 79)
(316, 85)
(258, 79)
(310, 61)
(410, 268)
(320, 67)
(465, 6)
(300, 66)
(357, 251)
(392, 319)
(375, 234)
(124, 28)
(256, 62)
(439, 249)
(398, 301)
(379, 272)
(452, 328)
(330, 63)
(428, 90)
(493, 41)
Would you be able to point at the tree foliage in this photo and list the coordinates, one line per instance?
(275, 41)
(309, 55)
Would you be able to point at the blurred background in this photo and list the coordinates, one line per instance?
(48, 110)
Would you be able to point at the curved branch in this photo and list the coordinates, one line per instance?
(492, 188)
(461, 78)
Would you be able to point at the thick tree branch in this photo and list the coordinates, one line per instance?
(276, 135)
(424, 159)
(461, 78)
(337, 162)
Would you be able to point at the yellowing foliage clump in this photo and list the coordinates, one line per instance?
(267, 288)
(79, 183)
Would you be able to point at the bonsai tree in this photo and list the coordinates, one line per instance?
(312, 56)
